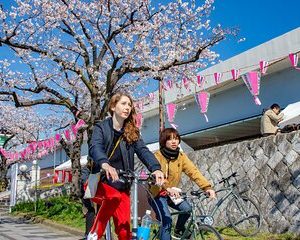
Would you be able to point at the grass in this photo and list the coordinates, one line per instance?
(68, 212)
(230, 234)
(59, 209)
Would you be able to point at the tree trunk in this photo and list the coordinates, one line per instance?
(76, 167)
(3, 172)
(73, 151)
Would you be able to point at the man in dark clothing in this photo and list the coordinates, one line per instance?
(88, 207)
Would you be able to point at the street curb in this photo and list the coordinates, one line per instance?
(49, 223)
(62, 227)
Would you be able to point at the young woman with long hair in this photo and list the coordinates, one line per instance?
(114, 142)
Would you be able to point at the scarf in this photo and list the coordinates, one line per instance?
(169, 153)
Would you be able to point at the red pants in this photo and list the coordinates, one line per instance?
(113, 204)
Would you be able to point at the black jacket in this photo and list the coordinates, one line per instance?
(101, 142)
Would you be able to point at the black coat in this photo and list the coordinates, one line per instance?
(102, 139)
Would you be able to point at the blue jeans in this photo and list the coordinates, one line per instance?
(163, 202)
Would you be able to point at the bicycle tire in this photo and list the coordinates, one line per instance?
(244, 216)
(206, 232)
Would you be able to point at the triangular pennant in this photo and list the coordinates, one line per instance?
(294, 60)
(217, 77)
(139, 120)
(186, 83)
(170, 84)
(151, 97)
(252, 81)
(200, 80)
(171, 111)
(202, 99)
(263, 65)
(235, 74)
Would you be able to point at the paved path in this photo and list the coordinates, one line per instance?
(20, 229)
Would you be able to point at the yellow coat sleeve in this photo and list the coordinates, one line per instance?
(194, 174)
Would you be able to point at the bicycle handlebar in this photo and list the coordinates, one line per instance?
(227, 178)
(198, 193)
(130, 175)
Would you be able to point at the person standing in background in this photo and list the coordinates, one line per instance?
(270, 120)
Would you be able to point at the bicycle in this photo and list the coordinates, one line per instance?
(243, 213)
(199, 231)
(195, 229)
(134, 179)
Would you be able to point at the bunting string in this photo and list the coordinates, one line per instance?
(38, 149)
(200, 80)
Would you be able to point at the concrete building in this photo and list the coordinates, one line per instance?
(232, 112)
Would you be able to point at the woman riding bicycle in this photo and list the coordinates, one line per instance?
(173, 163)
(113, 144)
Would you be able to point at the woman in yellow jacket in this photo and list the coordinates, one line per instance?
(173, 163)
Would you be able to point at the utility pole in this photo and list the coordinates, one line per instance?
(161, 104)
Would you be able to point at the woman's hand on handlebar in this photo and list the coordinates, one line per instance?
(211, 193)
(110, 172)
(159, 177)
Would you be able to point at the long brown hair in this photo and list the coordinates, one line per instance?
(131, 131)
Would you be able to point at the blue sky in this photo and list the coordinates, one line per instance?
(258, 21)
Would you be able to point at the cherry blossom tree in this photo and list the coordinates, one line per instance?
(75, 54)
(20, 126)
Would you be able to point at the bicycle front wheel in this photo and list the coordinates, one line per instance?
(206, 232)
(244, 216)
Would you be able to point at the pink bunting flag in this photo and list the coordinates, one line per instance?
(74, 129)
(40, 144)
(139, 120)
(202, 99)
(52, 142)
(80, 123)
(263, 65)
(235, 74)
(67, 134)
(252, 81)
(16, 156)
(200, 80)
(170, 84)
(294, 60)
(140, 105)
(23, 154)
(33, 146)
(171, 111)
(186, 83)
(57, 137)
(47, 144)
(151, 97)
(217, 77)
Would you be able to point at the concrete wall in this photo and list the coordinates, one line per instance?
(272, 167)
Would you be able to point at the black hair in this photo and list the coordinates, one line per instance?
(275, 105)
(166, 135)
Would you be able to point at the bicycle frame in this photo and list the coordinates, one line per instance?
(191, 221)
(231, 192)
